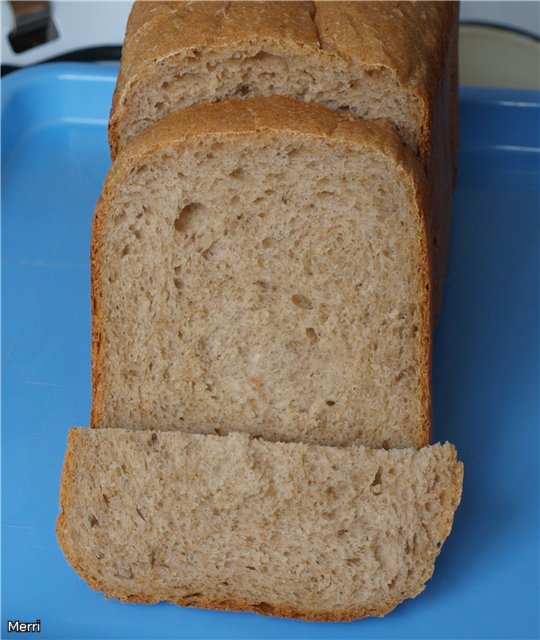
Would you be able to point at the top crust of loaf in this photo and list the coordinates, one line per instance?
(408, 39)
(257, 116)
(264, 119)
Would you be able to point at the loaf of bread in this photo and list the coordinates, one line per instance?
(266, 267)
(391, 61)
(262, 266)
(304, 531)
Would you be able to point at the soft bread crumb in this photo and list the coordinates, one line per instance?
(285, 529)
(238, 286)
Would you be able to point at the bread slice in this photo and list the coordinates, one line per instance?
(262, 266)
(388, 61)
(294, 530)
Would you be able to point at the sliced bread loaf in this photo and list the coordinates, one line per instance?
(393, 61)
(295, 530)
(380, 60)
(262, 266)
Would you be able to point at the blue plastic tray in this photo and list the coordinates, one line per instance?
(486, 380)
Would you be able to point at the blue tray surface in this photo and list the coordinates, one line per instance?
(486, 379)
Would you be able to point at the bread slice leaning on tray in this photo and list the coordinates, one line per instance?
(287, 529)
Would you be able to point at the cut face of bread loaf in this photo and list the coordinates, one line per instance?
(391, 61)
(381, 61)
(262, 266)
(295, 530)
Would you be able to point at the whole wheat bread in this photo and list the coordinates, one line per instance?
(307, 531)
(262, 266)
(394, 61)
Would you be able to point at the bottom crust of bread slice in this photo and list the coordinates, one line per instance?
(261, 266)
(286, 529)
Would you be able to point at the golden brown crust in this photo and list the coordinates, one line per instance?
(95, 301)
(68, 475)
(263, 608)
(260, 117)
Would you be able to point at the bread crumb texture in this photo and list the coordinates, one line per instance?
(230, 522)
(261, 266)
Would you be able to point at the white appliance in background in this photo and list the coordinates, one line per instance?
(78, 24)
(516, 14)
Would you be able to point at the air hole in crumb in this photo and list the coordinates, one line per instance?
(268, 242)
(373, 73)
(178, 283)
(385, 445)
(344, 107)
(312, 335)
(293, 153)
(158, 105)
(377, 479)
(301, 301)
(238, 172)
(186, 215)
(94, 521)
(325, 193)
(105, 499)
(250, 568)
(209, 252)
(140, 514)
(125, 251)
(330, 403)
